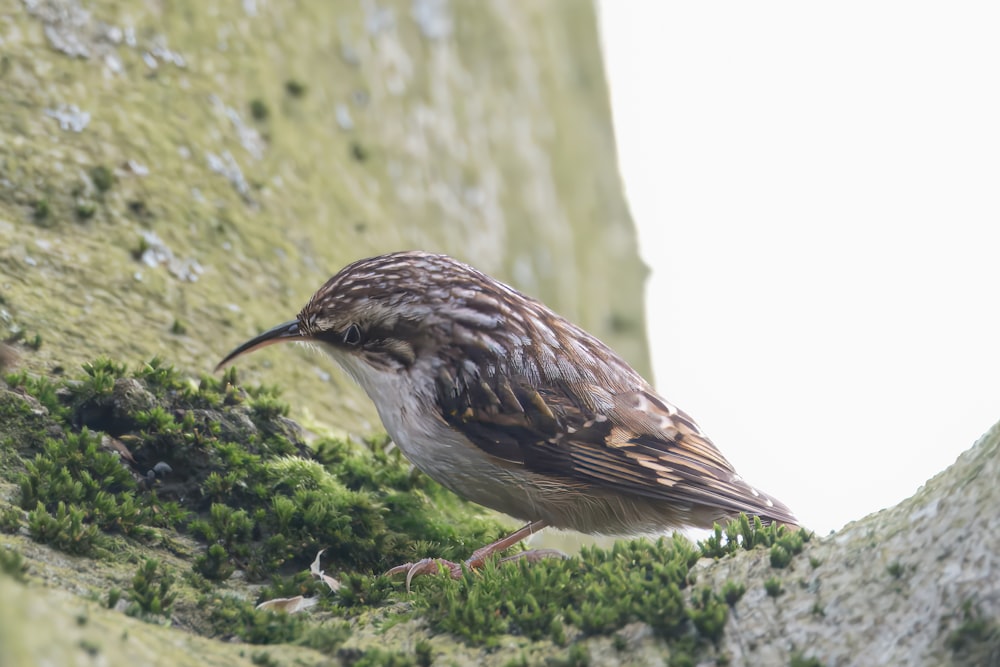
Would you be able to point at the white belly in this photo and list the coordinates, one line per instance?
(408, 412)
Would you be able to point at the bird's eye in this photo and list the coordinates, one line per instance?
(352, 335)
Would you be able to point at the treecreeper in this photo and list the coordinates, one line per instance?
(509, 405)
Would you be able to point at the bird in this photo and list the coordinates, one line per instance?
(511, 406)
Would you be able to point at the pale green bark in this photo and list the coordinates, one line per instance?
(477, 129)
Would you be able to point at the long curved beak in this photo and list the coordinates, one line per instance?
(288, 331)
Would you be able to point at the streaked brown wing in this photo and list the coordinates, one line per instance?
(643, 446)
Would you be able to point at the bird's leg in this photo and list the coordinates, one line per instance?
(479, 556)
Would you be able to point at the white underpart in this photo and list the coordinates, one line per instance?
(429, 443)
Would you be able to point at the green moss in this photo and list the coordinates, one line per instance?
(133, 453)
(773, 587)
(141, 246)
(744, 533)
(150, 594)
(264, 659)
(798, 660)
(85, 210)
(41, 211)
(65, 529)
(424, 653)
(90, 647)
(358, 152)
(597, 593)
(780, 557)
(215, 564)
(519, 661)
(295, 88)
(259, 110)
(114, 595)
(10, 520)
(577, 656)
(23, 421)
(708, 612)
(358, 590)
(139, 209)
(732, 591)
(231, 617)
(976, 640)
(75, 485)
(102, 178)
(135, 456)
(327, 637)
(12, 564)
(377, 657)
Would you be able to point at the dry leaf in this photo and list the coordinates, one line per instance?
(287, 605)
(332, 583)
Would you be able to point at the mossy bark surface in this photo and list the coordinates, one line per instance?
(177, 177)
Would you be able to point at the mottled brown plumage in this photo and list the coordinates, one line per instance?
(513, 407)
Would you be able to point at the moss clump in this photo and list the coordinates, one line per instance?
(377, 657)
(65, 528)
(74, 481)
(597, 593)
(976, 641)
(12, 564)
(748, 534)
(259, 110)
(230, 617)
(295, 88)
(576, 656)
(113, 457)
(10, 520)
(364, 591)
(85, 210)
(41, 210)
(102, 178)
(326, 637)
(131, 453)
(151, 594)
(732, 591)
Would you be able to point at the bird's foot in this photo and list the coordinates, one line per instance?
(442, 566)
(426, 566)
(478, 558)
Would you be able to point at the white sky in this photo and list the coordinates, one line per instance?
(817, 189)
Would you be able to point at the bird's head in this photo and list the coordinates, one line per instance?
(386, 312)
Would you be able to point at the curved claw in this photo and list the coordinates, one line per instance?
(399, 569)
(426, 566)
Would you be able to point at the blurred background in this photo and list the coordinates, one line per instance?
(816, 191)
